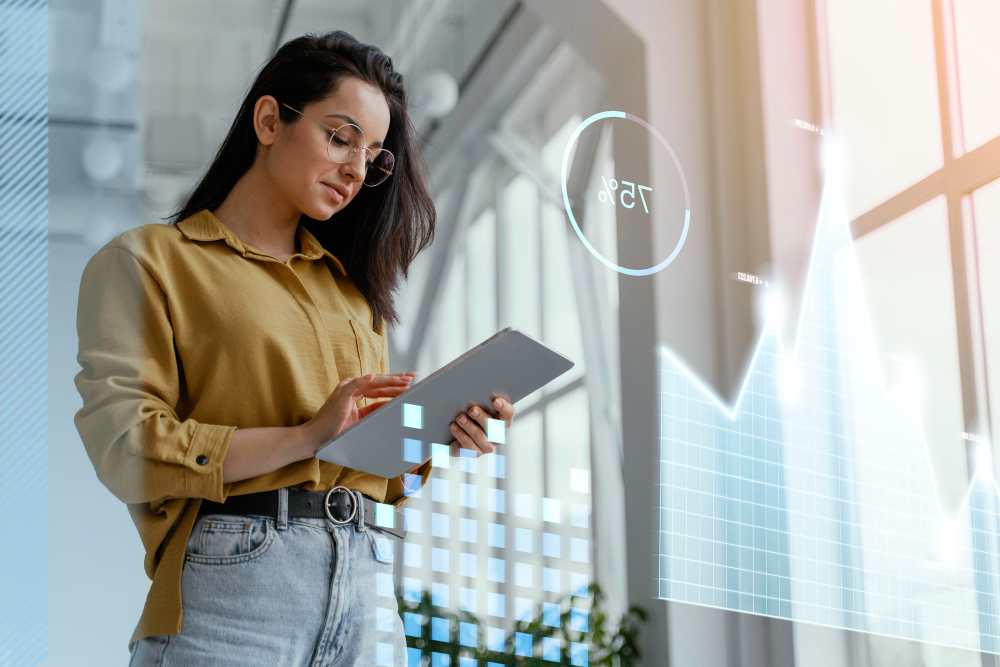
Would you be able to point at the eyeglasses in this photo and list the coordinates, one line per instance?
(347, 142)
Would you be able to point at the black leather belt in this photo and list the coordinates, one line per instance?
(339, 505)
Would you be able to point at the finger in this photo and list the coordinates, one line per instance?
(358, 386)
(479, 415)
(505, 410)
(465, 441)
(476, 432)
(385, 392)
(368, 409)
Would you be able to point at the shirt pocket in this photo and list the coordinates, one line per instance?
(357, 350)
(369, 348)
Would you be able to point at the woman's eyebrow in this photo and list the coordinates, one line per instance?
(377, 144)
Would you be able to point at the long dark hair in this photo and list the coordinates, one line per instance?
(383, 229)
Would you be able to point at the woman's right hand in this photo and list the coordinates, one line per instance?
(341, 409)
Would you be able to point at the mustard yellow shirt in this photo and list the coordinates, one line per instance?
(187, 334)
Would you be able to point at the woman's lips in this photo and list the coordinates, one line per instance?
(337, 195)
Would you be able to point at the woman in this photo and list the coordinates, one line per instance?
(220, 351)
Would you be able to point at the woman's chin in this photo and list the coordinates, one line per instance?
(323, 211)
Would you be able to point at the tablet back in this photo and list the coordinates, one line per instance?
(510, 364)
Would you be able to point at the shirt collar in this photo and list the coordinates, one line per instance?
(204, 226)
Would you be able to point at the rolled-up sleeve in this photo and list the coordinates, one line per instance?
(130, 383)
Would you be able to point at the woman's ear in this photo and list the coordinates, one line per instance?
(265, 119)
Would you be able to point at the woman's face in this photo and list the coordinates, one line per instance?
(298, 161)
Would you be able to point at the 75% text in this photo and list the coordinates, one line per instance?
(607, 194)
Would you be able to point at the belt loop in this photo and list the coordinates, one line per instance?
(283, 508)
(360, 500)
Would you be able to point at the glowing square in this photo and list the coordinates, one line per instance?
(522, 609)
(439, 560)
(550, 614)
(467, 600)
(383, 585)
(522, 644)
(524, 575)
(579, 654)
(497, 465)
(495, 639)
(412, 555)
(495, 570)
(579, 619)
(550, 580)
(522, 540)
(495, 499)
(412, 484)
(495, 533)
(496, 431)
(467, 635)
(497, 605)
(440, 594)
(412, 450)
(579, 516)
(413, 416)
(467, 530)
(384, 654)
(411, 624)
(467, 495)
(524, 505)
(579, 480)
(550, 649)
(385, 619)
(467, 461)
(467, 564)
(440, 455)
(440, 490)
(385, 516)
(551, 510)
(412, 588)
(440, 524)
(412, 519)
(551, 545)
(580, 550)
(439, 629)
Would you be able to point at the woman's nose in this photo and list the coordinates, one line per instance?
(355, 169)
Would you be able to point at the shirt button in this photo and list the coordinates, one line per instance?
(201, 460)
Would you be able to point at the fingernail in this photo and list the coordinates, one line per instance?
(454, 428)
(474, 412)
(462, 419)
(498, 403)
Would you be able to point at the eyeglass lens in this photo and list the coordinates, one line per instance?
(379, 168)
(345, 145)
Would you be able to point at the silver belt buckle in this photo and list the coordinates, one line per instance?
(354, 505)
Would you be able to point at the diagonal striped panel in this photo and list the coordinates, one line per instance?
(23, 330)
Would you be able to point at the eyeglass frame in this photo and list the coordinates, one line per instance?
(334, 131)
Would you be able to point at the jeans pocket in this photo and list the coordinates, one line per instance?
(382, 547)
(227, 540)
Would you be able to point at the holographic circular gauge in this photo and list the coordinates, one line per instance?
(609, 193)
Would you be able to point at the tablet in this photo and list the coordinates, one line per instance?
(403, 432)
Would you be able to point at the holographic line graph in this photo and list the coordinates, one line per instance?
(812, 497)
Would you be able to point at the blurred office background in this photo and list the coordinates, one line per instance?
(745, 91)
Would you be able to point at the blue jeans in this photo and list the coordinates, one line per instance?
(295, 593)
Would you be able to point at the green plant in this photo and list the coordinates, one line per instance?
(610, 645)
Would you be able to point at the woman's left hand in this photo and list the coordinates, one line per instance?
(470, 428)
